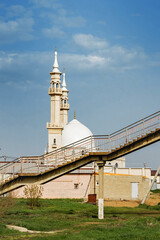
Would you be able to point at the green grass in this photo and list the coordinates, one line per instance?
(78, 220)
(156, 191)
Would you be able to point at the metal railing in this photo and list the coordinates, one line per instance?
(79, 149)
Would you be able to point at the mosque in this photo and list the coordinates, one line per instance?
(119, 182)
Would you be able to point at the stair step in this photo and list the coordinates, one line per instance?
(135, 139)
(121, 145)
(139, 137)
(116, 148)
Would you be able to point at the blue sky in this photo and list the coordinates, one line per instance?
(111, 53)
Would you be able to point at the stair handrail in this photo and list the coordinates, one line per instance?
(152, 116)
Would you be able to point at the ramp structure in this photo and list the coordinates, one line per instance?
(96, 148)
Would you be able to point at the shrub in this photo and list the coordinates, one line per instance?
(33, 193)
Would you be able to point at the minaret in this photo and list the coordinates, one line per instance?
(55, 127)
(64, 102)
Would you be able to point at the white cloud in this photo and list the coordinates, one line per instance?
(37, 65)
(19, 29)
(21, 68)
(115, 58)
(62, 18)
(71, 21)
(53, 32)
(15, 10)
(82, 62)
(46, 3)
(89, 41)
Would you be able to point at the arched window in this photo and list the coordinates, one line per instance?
(54, 141)
(57, 85)
(116, 165)
(65, 101)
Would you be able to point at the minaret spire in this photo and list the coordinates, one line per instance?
(64, 81)
(64, 101)
(55, 65)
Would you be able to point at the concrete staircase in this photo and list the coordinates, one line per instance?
(96, 148)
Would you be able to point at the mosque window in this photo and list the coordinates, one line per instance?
(116, 165)
(54, 141)
(76, 185)
(57, 85)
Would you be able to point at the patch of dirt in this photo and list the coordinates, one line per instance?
(121, 203)
(153, 200)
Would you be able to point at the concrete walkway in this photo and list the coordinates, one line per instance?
(23, 229)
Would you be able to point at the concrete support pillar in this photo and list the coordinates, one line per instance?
(101, 190)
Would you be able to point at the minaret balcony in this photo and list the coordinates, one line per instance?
(51, 125)
(55, 90)
(65, 106)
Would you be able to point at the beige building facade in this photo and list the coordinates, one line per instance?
(121, 187)
(84, 181)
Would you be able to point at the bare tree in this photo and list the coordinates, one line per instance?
(33, 193)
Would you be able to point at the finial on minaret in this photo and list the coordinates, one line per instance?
(55, 65)
(64, 81)
(74, 115)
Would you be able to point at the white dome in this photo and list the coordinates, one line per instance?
(74, 131)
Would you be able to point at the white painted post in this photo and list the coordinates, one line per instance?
(101, 190)
(100, 208)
